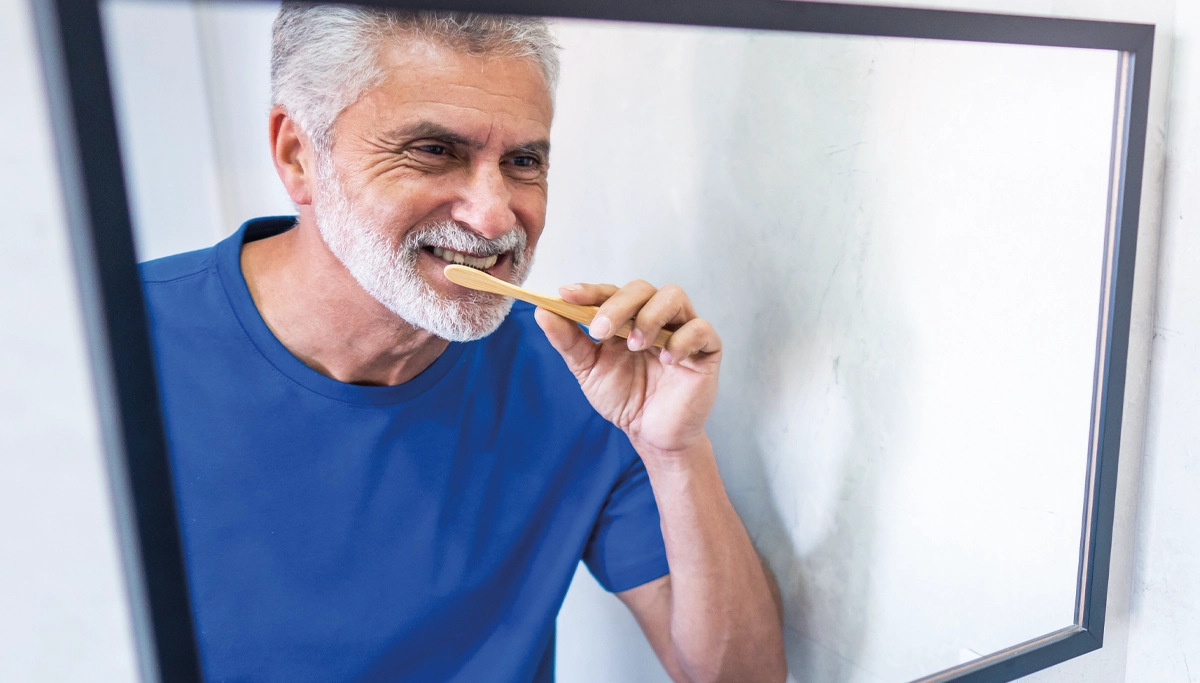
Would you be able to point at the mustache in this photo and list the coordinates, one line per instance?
(454, 236)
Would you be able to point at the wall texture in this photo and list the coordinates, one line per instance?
(875, 228)
(1164, 636)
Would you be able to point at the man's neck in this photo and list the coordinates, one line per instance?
(319, 312)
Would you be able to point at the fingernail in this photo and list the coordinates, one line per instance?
(636, 341)
(665, 357)
(572, 288)
(600, 327)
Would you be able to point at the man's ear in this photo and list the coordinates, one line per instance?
(291, 150)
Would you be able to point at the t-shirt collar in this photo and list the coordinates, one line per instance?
(228, 258)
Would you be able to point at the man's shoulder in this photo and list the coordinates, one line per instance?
(178, 267)
(183, 291)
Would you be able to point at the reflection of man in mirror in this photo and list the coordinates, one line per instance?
(384, 476)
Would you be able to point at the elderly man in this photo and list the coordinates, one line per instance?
(383, 476)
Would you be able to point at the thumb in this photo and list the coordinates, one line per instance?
(576, 348)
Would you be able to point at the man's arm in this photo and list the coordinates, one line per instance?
(715, 617)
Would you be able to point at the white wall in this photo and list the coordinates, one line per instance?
(1164, 639)
(1108, 665)
(899, 242)
(159, 84)
(63, 615)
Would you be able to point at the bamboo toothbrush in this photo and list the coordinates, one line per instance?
(477, 279)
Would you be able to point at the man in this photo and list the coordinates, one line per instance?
(383, 476)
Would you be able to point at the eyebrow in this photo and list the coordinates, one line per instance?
(540, 147)
(435, 131)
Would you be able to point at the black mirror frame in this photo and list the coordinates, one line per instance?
(76, 73)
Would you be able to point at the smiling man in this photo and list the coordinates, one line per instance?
(383, 476)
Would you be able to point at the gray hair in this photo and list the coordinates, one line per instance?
(324, 57)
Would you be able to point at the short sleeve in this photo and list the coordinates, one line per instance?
(626, 546)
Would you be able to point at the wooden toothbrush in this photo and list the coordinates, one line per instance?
(472, 278)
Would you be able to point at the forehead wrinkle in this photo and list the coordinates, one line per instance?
(488, 138)
(467, 107)
(521, 117)
(490, 93)
(396, 58)
(417, 98)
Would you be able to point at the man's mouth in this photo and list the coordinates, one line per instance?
(478, 262)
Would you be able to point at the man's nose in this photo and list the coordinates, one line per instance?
(483, 205)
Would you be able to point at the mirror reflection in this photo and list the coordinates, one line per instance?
(888, 251)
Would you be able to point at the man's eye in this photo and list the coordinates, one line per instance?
(433, 149)
(525, 161)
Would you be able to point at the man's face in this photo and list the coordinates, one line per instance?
(445, 162)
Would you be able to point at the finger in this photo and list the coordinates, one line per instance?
(576, 348)
(586, 295)
(620, 308)
(669, 305)
(696, 338)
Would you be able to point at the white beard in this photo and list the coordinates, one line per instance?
(387, 270)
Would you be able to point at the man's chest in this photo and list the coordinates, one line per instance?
(378, 528)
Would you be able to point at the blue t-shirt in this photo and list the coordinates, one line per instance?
(420, 532)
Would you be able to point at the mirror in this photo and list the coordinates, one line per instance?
(902, 243)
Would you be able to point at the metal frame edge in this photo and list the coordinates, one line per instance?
(70, 41)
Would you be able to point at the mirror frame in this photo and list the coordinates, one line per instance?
(124, 378)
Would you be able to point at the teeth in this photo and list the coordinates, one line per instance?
(481, 262)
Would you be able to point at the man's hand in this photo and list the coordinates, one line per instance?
(660, 399)
(714, 617)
